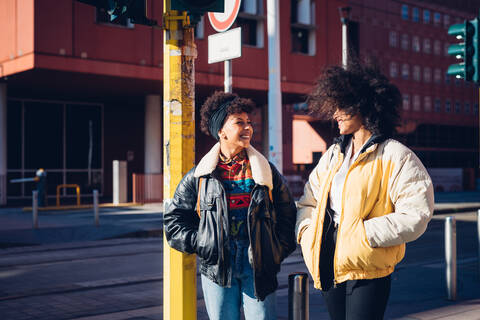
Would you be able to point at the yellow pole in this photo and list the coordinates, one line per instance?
(179, 270)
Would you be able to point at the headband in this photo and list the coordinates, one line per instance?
(215, 123)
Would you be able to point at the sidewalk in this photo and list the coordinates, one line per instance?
(16, 227)
(135, 221)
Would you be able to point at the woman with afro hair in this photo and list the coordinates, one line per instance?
(236, 213)
(367, 196)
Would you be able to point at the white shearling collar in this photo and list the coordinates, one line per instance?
(261, 171)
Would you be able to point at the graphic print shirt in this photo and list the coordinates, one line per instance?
(236, 175)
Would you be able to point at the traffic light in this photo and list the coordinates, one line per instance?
(466, 50)
(197, 8)
(135, 10)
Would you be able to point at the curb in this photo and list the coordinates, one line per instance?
(456, 210)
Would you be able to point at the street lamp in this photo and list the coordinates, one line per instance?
(345, 19)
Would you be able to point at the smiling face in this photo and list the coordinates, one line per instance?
(236, 132)
(347, 124)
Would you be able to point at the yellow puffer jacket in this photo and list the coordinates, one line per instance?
(387, 201)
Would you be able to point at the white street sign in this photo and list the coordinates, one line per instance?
(225, 45)
(221, 21)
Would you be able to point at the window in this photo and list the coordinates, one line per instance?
(393, 70)
(415, 14)
(445, 49)
(103, 17)
(446, 20)
(437, 18)
(437, 47)
(393, 39)
(475, 109)
(457, 82)
(437, 76)
(406, 102)
(250, 6)
(448, 106)
(467, 107)
(427, 104)
(416, 73)
(457, 106)
(200, 28)
(415, 44)
(302, 11)
(405, 71)
(73, 130)
(416, 103)
(404, 12)
(438, 105)
(426, 16)
(427, 48)
(447, 79)
(303, 26)
(251, 20)
(301, 41)
(427, 74)
(405, 44)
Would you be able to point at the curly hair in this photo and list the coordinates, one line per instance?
(358, 89)
(217, 99)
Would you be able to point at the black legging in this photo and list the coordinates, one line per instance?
(352, 299)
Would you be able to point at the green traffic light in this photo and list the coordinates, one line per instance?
(467, 50)
(460, 50)
(457, 50)
(460, 30)
(457, 70)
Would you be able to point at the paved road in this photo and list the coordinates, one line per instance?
(122, 279)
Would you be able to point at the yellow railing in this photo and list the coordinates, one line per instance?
(61, 186)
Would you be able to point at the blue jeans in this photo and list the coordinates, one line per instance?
(224, 303)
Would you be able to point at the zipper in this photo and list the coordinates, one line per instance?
(354, 164)
(320, 230)
(250, 239)
(222, 251)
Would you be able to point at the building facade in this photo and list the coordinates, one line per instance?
(77, 92)
(439, 113)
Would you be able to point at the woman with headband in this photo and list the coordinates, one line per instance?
(235, 212)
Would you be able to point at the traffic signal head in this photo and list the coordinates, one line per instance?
(197, 8)
(135, 10)
(466, 50)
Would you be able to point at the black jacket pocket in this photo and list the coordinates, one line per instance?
(208, 232)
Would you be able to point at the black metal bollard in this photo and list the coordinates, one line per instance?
(451, 257)
(298, 296)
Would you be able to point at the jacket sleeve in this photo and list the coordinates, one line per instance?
(308, 202)
(180, 220)
(286, 213)
(411, 192)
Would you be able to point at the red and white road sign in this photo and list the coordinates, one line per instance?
(221, 21)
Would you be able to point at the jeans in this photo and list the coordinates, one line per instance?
(224, 303)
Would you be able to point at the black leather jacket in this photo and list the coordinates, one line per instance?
(271, 228)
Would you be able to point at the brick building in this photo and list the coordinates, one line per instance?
(77, 92)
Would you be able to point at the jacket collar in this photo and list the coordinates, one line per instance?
(344, 140)
(261, 171)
